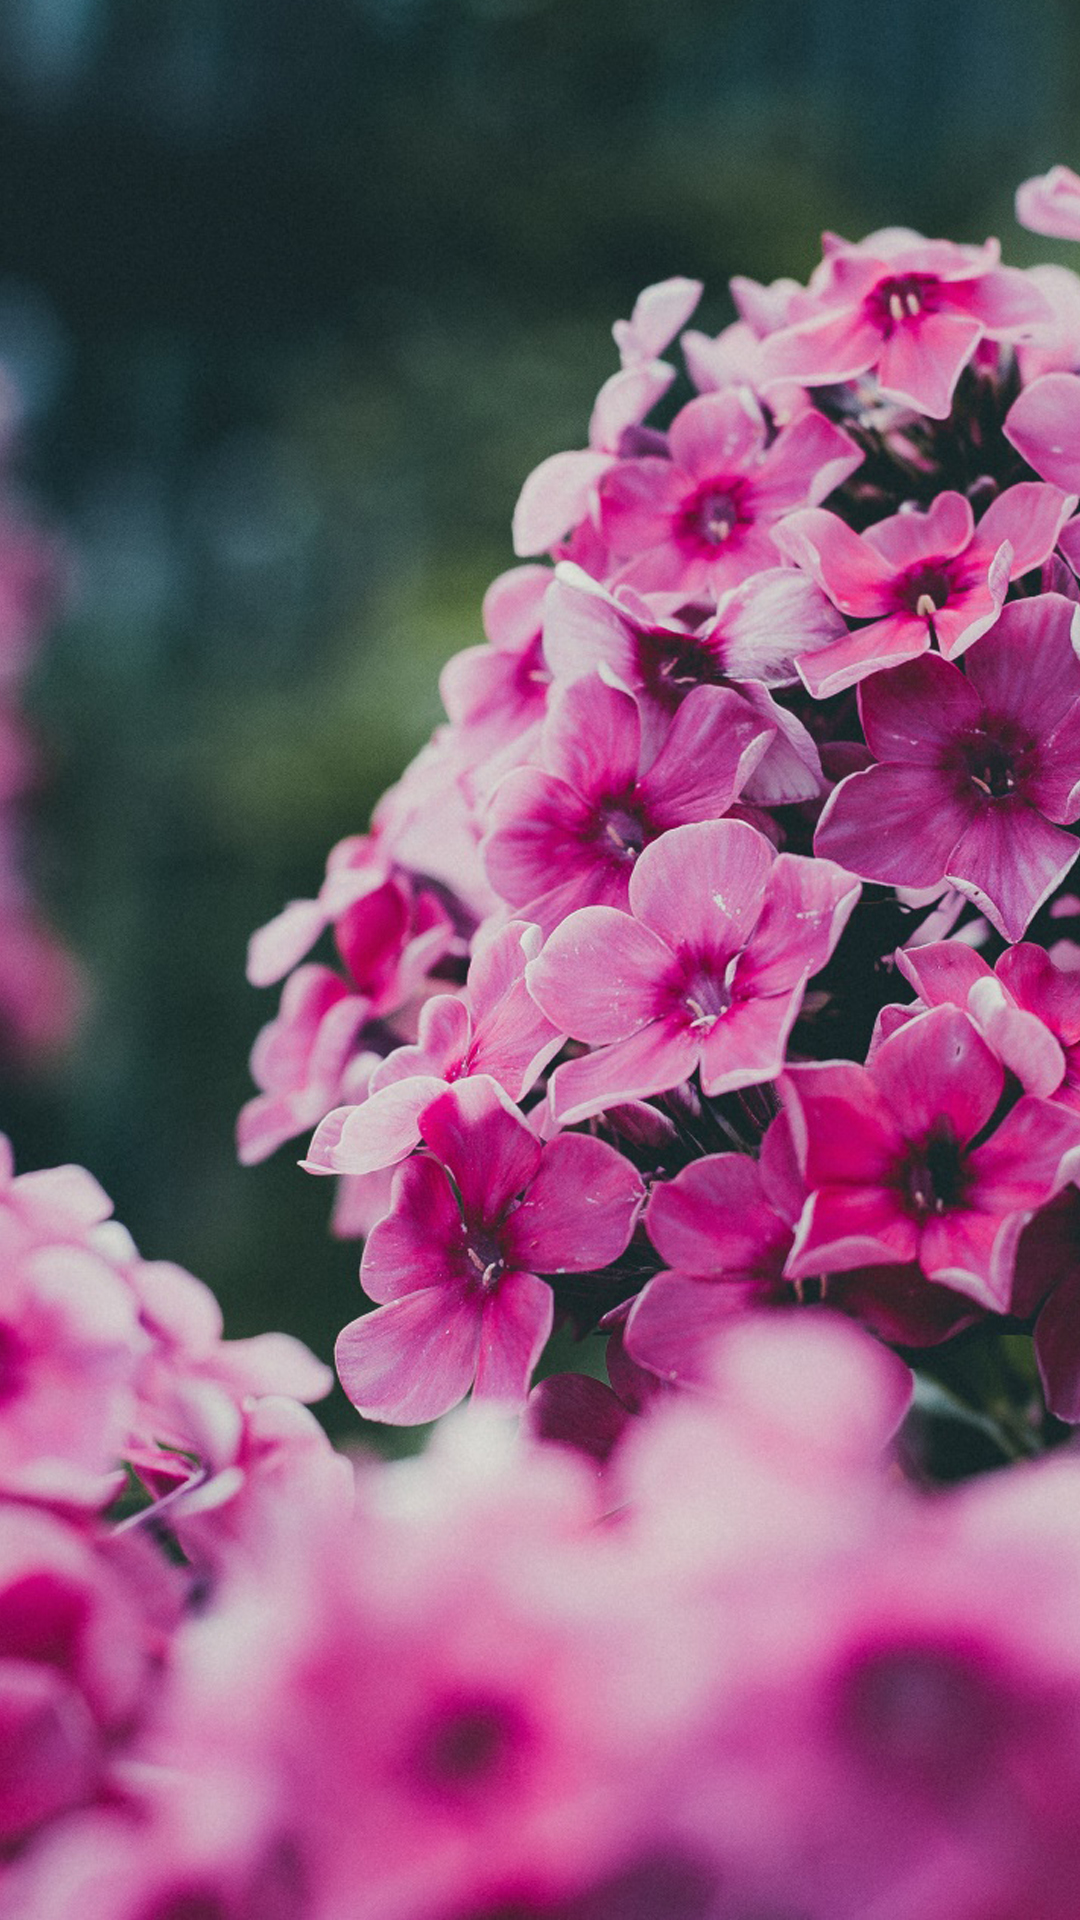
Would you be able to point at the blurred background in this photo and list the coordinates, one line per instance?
(295, 293)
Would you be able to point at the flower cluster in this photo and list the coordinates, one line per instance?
(40, 987)
(778, 718)
(745, 1669)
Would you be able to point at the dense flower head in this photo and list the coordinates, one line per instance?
(781, 704)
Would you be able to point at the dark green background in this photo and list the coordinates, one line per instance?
(297, 292)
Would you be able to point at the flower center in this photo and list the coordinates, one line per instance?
(621, 832)
(925, 591)
(990, 768)
(706, 996)
(713, 515)
(905, 297)
(933, 1177)
(483, 1251)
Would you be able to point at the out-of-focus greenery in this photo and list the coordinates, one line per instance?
(296, 292)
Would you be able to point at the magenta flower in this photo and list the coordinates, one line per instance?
(698, 523)
(706, 971)
(911, 309)
(567, 834)
(978, 772)
(456, 1260)
(919, 577)
(900, 1165)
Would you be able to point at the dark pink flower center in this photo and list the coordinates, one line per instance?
(902, 298)
(704, 992)
(925, 589)
(671, 664)
(995, 758)
(621, 831)
(13, 1356)
(926, 1715)
(468, 1746)
(933, 1175)
(484, 1253)
(711, 517)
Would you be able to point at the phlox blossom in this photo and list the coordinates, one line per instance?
(907, 1159)
(706, 971)
(977, 772)
(455, 1262)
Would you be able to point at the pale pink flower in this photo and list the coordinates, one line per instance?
(1050, 203)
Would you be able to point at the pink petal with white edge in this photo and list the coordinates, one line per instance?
(475, 1129)
(624, 400)
(713, 1220)
(676, 1320)
(412, 1360)
(517, 1320)
(1009, 861)
(420, 1242)
(597, 975)
(377, 1134)
(843, 1132)
(806, 907)
(512, 607)
(701, 886)
(715, 744)
(941, 533)
(746, 1045)
(1022, 1043)
(922, 363)
(584, 629)
(806, 461)
(857, 579)
(888, 643)
(939, 1068)
(1030, 517)
(546, 1235)
(1043, 424)
(762, 625)
(592, 736)
(895, 824)
(1028, 1158)
(555, 497)
(661, 1056)
(942, 972)
(1027, 668)
(847, 1227)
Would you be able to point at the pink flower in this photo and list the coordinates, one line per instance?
(913, 310)
(977, 774)
(456, 1260)
(494, 1028)
(567, 834)
(1050, 204)
(303, 1061)
(496, 692)
(707, 970)
(1026, 1007)
(919, 577)
(899, 1168)
(699, 522)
